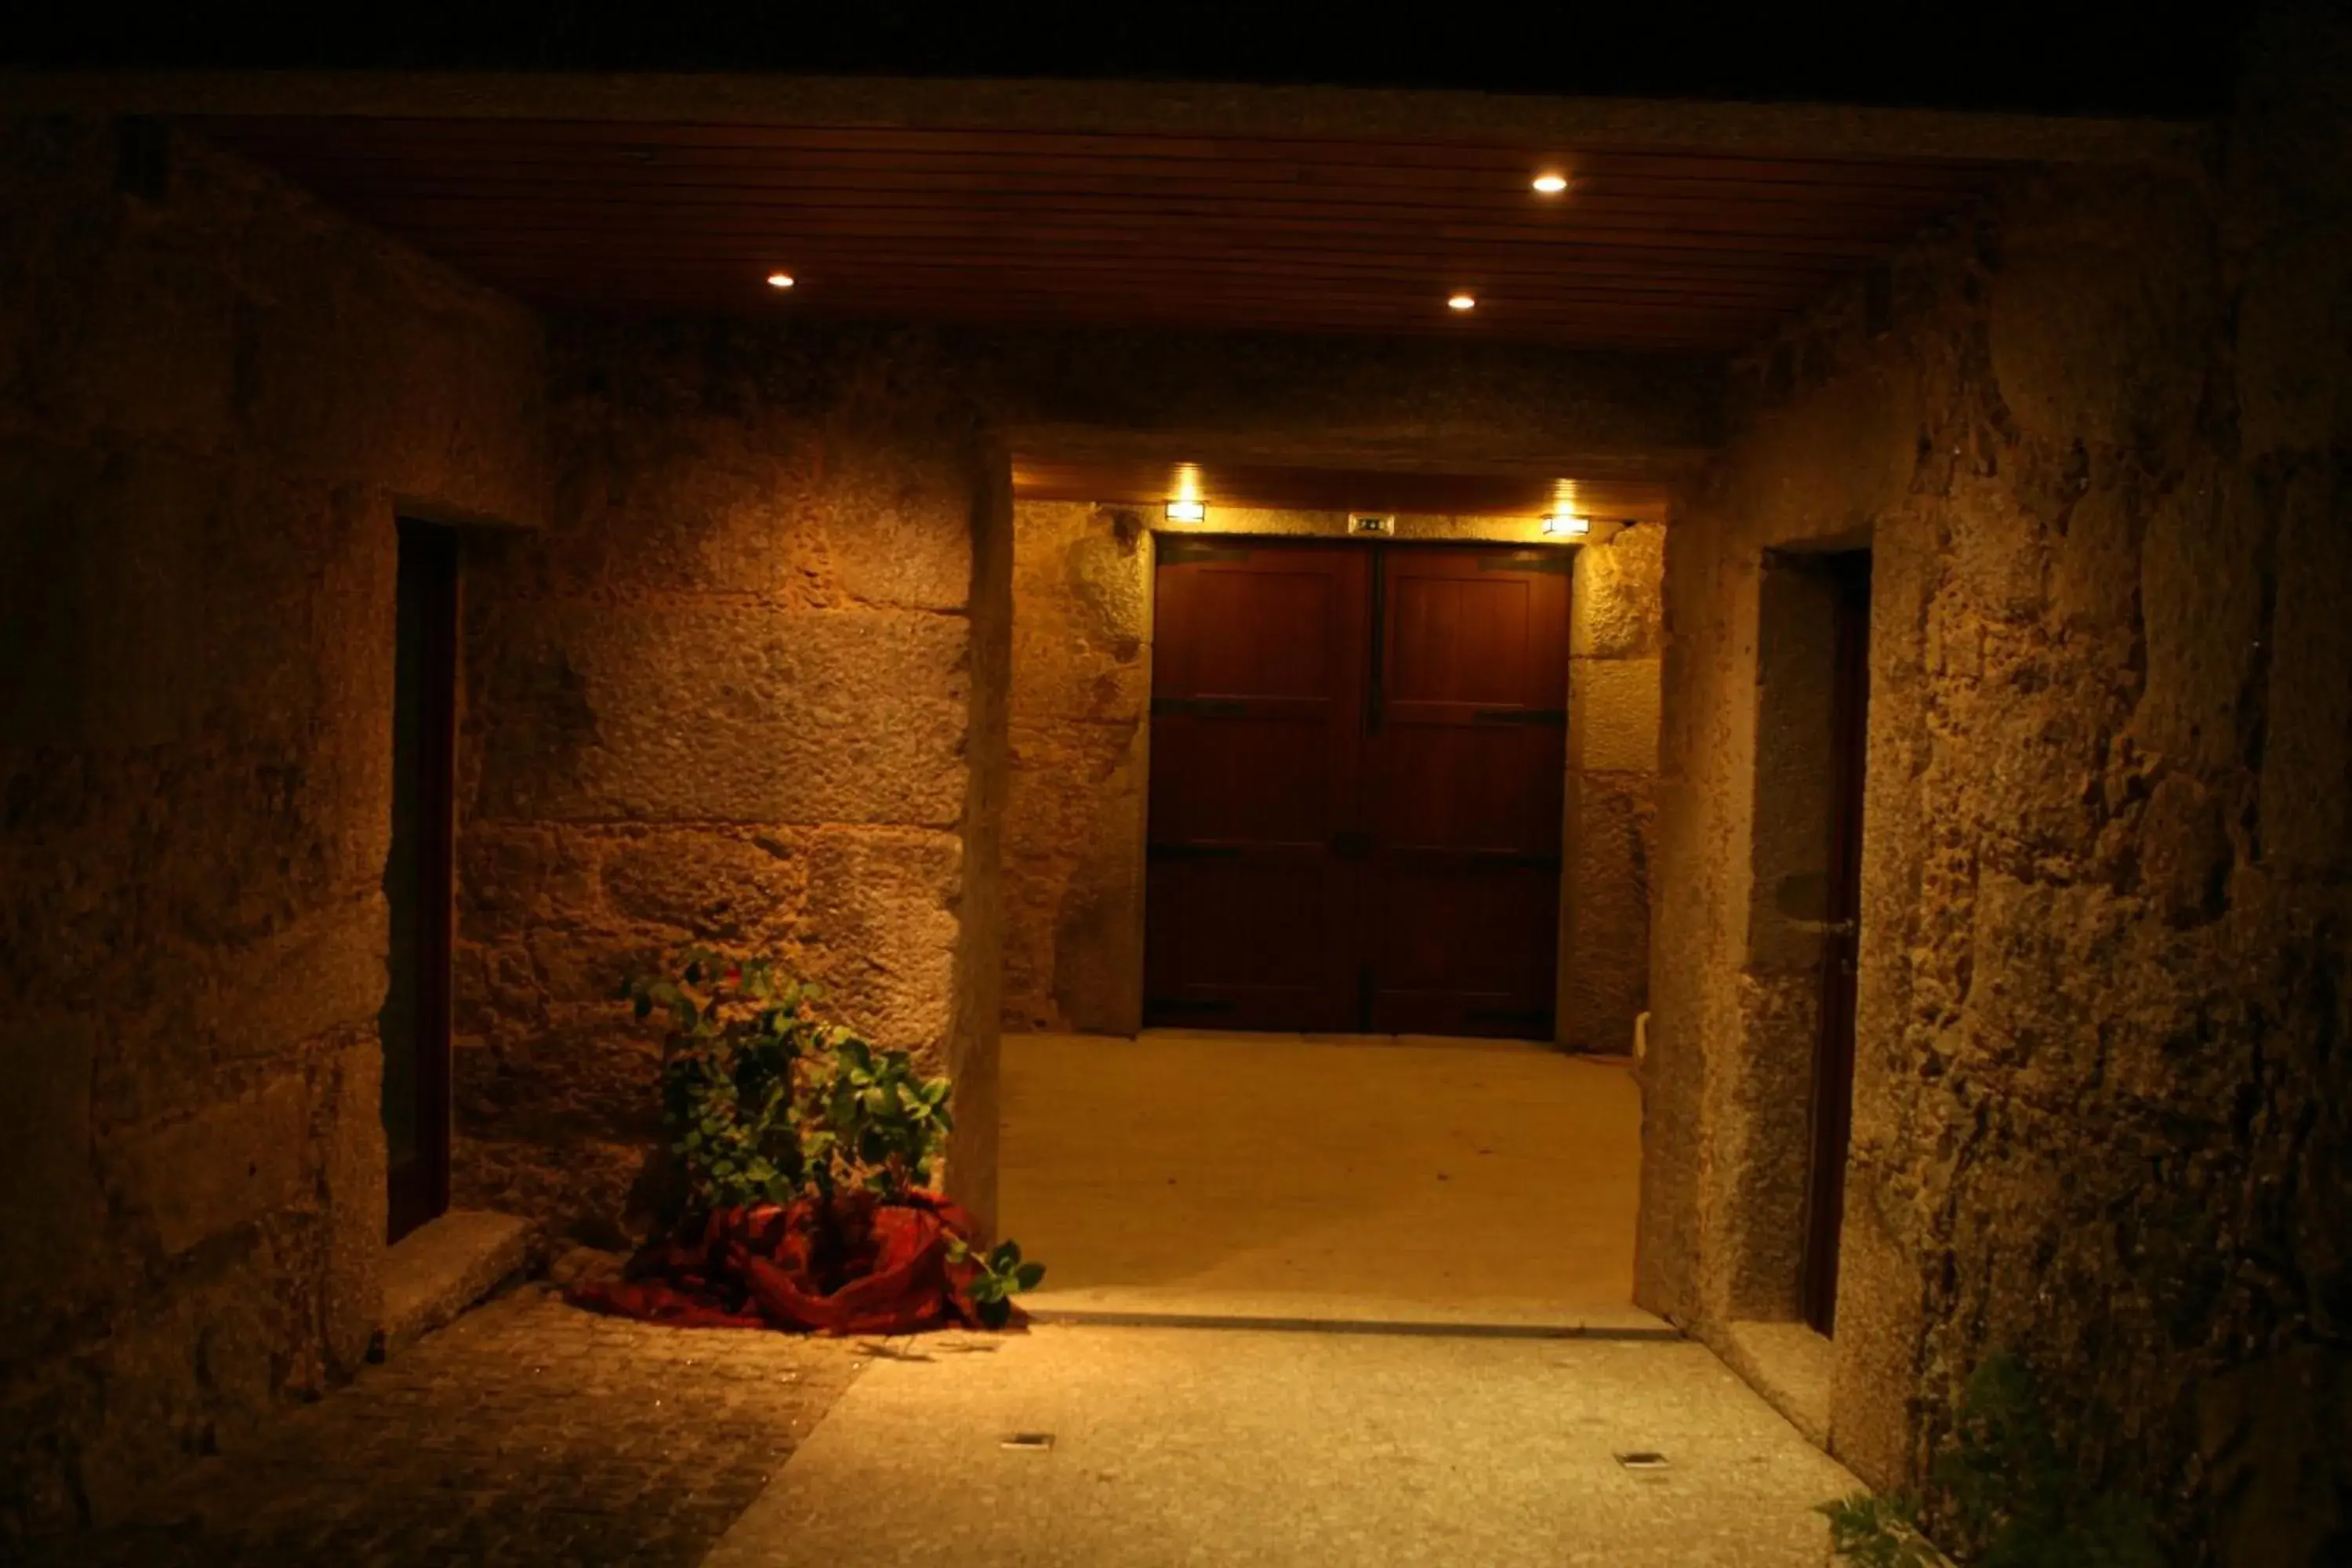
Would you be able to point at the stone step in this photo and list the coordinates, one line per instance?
(444, 1266)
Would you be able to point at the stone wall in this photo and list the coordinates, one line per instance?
(2099, 440)
(1081, 700)
(1613, 766)
(1081, 734)
(214, 398)
(746, 687)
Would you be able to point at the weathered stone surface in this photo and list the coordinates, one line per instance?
(1081, 692)
(1614, 704)
(1608, 840)
(726, 714)
(228, 1164)
(444, 1266)
(2102, 984)
(745, 689)
(212, 406)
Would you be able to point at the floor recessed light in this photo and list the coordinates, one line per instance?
(780, 280)
(1552, 184)
(1462, 302)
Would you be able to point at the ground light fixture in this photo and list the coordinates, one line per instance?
(1550, 184)
(1188, 512)
(1566, 525)
(780, 280)
(1462, 301)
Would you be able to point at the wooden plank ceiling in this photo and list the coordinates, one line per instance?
(1665, 250)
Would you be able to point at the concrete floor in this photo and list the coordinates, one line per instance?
(1241, 1446)
(1286, 1175)
(1353, 1183)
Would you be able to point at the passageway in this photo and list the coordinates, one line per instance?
(1349, 1177)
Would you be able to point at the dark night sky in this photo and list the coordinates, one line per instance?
(2062, 56)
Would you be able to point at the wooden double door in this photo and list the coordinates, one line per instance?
(1358, 755)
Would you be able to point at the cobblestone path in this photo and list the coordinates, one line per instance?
(527, 1432)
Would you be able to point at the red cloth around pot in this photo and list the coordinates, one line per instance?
(754, 1267)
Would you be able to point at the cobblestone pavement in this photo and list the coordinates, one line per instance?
(527, 1432)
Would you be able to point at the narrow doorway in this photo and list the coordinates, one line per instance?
(1831, 1109)
(1358, 760)
(418, 877)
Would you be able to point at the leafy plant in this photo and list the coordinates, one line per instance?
(2015, 1501)
(738, 1030)
(1001, 1272)
(766, 1102)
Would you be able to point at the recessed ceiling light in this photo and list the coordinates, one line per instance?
(1462, 302)
(780, 280)
(1550, 184)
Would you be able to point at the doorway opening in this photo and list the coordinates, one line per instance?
(1832, 1102)
(418, 879)
(1358, 760)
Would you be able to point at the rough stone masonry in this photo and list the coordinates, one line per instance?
(2099, 439)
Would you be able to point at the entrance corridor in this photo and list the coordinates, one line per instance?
(1323, 1177)
(1385, 1213)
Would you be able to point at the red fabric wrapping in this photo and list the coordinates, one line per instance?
(758, 1268)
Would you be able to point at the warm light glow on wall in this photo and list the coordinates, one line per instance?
(780, 280)
(1184, 503)
(1565, 520)
(1462, 302)
(1552, 184)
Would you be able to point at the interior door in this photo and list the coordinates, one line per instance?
(1467, 767)
(1257, 722)
(418, 879)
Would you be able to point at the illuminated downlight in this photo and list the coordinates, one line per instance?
(1566, 525)
(1188, 512)
(780, 280)
(1462, 302)
(1552, 184)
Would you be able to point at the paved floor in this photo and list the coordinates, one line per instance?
(1323, 1176)
(528, 1433)
(1192, 1446)
(1427, 1182)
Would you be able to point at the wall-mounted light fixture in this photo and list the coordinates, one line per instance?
(1184, 503)
(1550, 183)
(780, 280)
(1461, 301)
(1566, 519)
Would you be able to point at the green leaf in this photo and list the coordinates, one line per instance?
(1026, 1277)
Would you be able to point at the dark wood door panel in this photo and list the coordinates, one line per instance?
(1358, 760)
(1462, 946)
(1257, 718)
(1464, 791)
(1468, 786)
(1246, 942)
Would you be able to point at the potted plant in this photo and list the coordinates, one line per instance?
(807, 1155)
